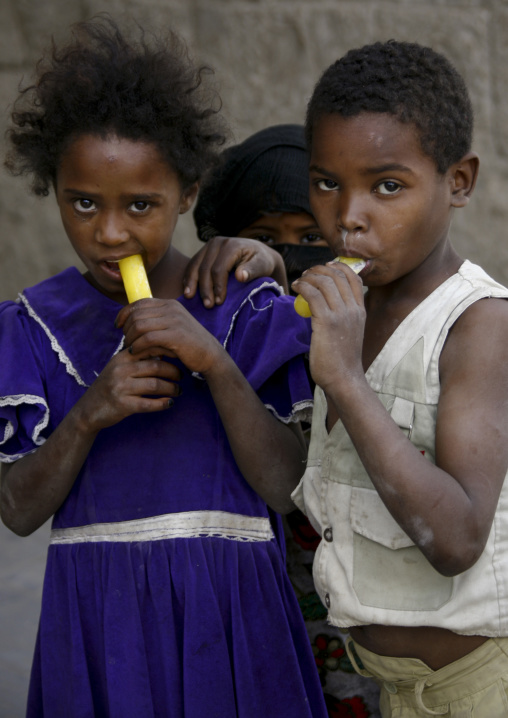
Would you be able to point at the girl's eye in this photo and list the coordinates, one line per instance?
(139, 206)
(311, 239)
(388, 187)
(84, 205)
(327, 185)
(264, 238)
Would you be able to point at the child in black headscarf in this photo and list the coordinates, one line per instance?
(261, 191)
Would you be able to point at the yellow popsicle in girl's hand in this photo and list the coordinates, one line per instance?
(301, 305)
(134, 278)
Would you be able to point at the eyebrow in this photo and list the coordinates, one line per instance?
(137, 195)
(310, 225)
(379, 169)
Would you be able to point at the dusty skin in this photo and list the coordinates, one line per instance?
(368, 176)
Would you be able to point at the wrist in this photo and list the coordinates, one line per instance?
(346, 388)
(81, 420)
(221, 368)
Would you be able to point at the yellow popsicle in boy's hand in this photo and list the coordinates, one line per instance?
(301, 305)
(134, 278)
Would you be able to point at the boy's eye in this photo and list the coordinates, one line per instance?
(84, 205)
(140, 205)
(327, 185)
(388, 187)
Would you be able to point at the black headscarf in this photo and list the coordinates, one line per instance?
(267, 172)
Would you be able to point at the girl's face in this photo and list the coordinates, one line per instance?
(376, 195)
(118, 197)
(285, 228)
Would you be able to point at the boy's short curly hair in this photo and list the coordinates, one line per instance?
(102, 83)
(412, 82)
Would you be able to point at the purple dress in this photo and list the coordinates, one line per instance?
(165, 591)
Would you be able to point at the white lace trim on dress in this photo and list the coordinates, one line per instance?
(16, 400)
(248, 298)
(187, 524)
(302, 411)
(54, 342)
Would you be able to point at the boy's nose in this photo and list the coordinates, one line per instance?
(111, 230)
(351, 216)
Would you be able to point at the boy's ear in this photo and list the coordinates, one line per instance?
(188, 197)
(463, 176)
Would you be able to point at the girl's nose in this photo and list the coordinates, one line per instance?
(111, 230)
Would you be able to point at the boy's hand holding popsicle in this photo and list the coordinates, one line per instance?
(301, 306)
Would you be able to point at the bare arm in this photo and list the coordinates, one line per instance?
(210, 267)
(447, 509)
(34, 487)
(269, 453)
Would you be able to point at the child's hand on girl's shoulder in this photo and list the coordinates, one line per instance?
(210, 267)
(163, 327)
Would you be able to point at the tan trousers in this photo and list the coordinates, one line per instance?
(475, 686)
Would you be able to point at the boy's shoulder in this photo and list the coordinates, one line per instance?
(478, 278)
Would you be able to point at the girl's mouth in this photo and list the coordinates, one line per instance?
(111, 268)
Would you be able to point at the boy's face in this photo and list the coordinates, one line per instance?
(298, 228)
(117, 197)
(376, 195)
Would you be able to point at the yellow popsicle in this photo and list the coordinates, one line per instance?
(134, 278)
(301, 305)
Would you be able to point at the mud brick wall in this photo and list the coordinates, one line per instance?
(268, 55)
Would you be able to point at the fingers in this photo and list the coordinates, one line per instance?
(150, 383)
(194, 276)
(154, 367)
(209, 269)
(337, 285)
(127, 311)
(128, 386)
(259, 260)
(211, 266)
(148, 316)
(154, 337)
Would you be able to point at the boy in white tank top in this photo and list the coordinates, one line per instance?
(409, 452)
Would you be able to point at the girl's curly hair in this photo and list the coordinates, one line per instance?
(412, 82)
(103, 83)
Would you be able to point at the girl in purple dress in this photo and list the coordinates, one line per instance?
(161, 436)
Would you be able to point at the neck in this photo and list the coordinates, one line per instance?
(166, 279)
(414, 287)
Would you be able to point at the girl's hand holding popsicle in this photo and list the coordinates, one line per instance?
(178, 333)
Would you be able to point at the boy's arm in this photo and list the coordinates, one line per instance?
(448, 508)
(210, 267)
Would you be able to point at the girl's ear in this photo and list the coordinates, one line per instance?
(188, 197)
(463, 176)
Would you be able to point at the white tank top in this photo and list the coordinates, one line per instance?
(367, 569)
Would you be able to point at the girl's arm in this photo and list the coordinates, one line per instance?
(34, 487)
(269, 454)
(211, 266)
(447, 509)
